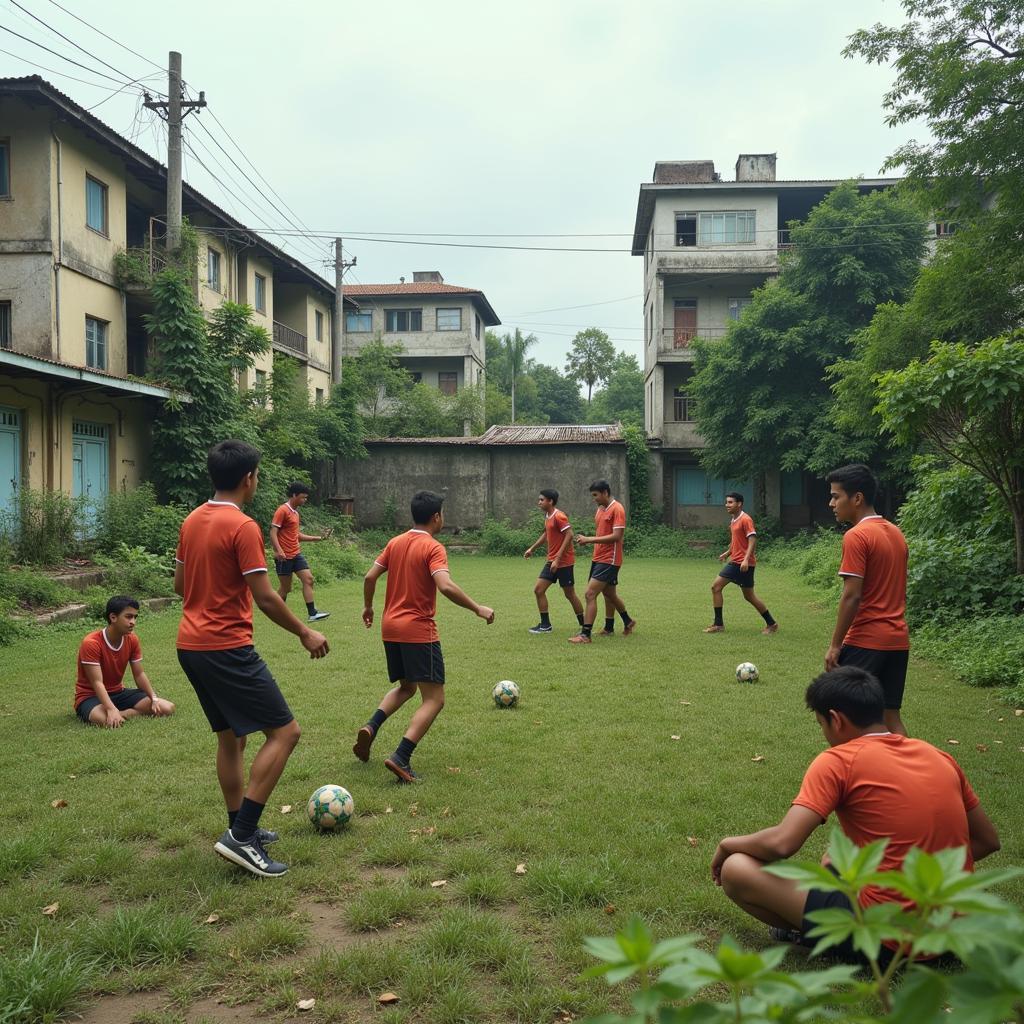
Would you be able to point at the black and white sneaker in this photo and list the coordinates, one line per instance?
(249, 855)
(791, 935)
(266, 836)
(540, 628)
(317, 616)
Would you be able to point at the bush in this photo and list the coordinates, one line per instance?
(981, 652)
(10, 629)
(330, 560)
(502, 538)
(663, 541)
(136, 572)
(32, 589)
(135, 519)
(45, 528)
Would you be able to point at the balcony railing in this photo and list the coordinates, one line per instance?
(683, 337)
(287, 338)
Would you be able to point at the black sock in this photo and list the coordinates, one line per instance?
(311, 607)
(579, 618)
(609, 625)
(767, 616)
(545, 618)
(404, 751)
(587, 627)
(247, 820)
(718, 617)
(231, 817)
(377, 719)
(624, 615)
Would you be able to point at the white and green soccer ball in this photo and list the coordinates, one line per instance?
(505, 694)
(330, 807)
(746, 672)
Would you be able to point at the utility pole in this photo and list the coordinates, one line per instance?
(337, 333)
(171, 110)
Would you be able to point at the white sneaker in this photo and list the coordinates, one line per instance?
(317, 616)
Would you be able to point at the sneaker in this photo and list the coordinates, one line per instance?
(580, 638)
(791, 935)
(266, 836)
(317, 616)
(629, 627)
(768, 630)
(364, 740)
(539, 628)
(714, 629)
(606, 632)
(249, 855)
(403, 771)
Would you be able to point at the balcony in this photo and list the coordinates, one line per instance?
(675, 434)
(678, 341)
(288, 339)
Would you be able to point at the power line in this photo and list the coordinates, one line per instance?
(92, 71)
(54, 71)
(111, 38)
(585, 305)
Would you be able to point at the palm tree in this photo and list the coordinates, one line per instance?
(515, 346)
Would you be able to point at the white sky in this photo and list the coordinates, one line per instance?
(463, 117)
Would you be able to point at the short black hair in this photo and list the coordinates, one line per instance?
(424, 506)
(736, 496)
(229, 461)
(550, 493)
(600, 485)
(298, 487)
(116, 605)
(853, 478)
(849, 690)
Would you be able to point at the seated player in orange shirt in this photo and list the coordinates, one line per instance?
(880, 784)
(561, 561)
(417, 568)
(101, 698)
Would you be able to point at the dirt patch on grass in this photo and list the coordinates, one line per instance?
(326, 925)
(123, 1008)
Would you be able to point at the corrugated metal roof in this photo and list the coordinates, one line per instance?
(557, 433)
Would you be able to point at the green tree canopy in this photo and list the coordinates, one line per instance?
(558, 397)
(622, 397)
(590, 358)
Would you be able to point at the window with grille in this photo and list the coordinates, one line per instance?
(684, 408)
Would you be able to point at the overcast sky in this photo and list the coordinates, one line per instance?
(466, 118)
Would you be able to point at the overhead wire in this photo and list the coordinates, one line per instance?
(54, 71)
(111, 38)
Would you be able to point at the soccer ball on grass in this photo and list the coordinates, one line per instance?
(330, 807)
(746, 672)
(506, 694)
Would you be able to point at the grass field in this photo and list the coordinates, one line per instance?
(612, 781)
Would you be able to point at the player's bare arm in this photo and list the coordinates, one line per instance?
(179, 579)
(566, 542)
(614, 537)
(369, 589)
(269, 602)
(770, 844)
(94, 674)
(158, 706)
(450, 589)
(984, 838)
(533, 547)
(751, 545)
(275, 543)
(853, 587)
(312, 537)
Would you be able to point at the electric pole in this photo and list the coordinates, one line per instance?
(171, 110)
(340, 266)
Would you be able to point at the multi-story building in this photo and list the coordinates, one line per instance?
(707, 244)
(440, 327)
(74, 194)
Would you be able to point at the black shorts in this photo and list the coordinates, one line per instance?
(888, 667)
(286, 566)
(414, 663)
(563, 576)
(123, 700)
(236, 690)
(732, 572)
(605, 572)
(826, 899)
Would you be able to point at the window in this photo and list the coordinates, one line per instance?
(684, 408)
(686, 229)
(447, 383)
(417, 378)
(943, 228)
(319, 396)
(403, 320)
(358, 323)
(449, 319)
(477, 328)
(259, 293)
(736, 307)
(96, 205)
(213, 269)
(5, 325)
(5, 167)
(725, 228)
(95, 343)
(318, 319)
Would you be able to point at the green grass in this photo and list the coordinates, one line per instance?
(583, 783)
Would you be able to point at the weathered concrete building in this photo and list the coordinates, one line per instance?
(496, 475)
(706, 245)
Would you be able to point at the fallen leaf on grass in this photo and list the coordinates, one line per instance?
(609, 908)
(387, 999)
(1018, 712)
(674, 737)
(306, 1004)
(692, 840)
(72, 776)
(446, 813)
(1000, 719)
(1000, 742)
(757, 758)
(57, 804)
(981, 747)
(212, 919)
(51, 910)
(414, 809)
(389, 809)
(686, 703)
(286, 809)
(520, 869)
(956, 743)
(439, 884)
(454, 771)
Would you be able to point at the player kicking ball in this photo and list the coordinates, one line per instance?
(417, 567)
(740, 567)
(561, 560)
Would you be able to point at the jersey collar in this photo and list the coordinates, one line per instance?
(108, 643)
(210, 501)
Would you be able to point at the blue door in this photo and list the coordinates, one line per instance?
(90, 459)
(10, 463)
(695, 487)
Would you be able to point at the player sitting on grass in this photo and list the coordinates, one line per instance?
(100, 696)
(880, 784)
(740, 567)
(285, 535)
(417, 567)
(561, 560)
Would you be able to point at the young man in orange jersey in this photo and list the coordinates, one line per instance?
(285, 535)
(880, 784)
(609, 527)
(101, 698)
(740, 567)
(220, 569)
(417, 567)
(871, 627)
(559, 567)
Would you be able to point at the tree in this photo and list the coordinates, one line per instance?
(515, 346)
(590, 358)
(375, 381)
(969, 403)
(622, 397)
(558, 397)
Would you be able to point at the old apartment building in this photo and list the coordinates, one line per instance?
(439, 326)
(74, 194)
(707, 244)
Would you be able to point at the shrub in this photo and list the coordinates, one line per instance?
(32, 589)
(45, 527)
(663, 541)
(981, 652)
(330, 560)
(137, 572)
(10, 629)
(135, 519)
(502, 538)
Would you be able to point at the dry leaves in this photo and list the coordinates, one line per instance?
(212, 919)
(675, 737)
(51, 910)
(1018, 712)
(72, 776)
(692, 840)
(57, 804)
(286, 809)
(439, 884)
(609, 908)
(414, 809)
(446, 813)
(387, 999)
(757, 758)
(520, 869)
(955, 743)
(306, 1004)
(686, 703)
(454, 771)
(389, 809)
(981, 748)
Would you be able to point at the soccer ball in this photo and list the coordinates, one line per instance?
(330, 807)
(746, 672)
(506, 694)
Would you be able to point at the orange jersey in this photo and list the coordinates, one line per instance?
(411, 560)
(555, 527)
(741, 529)
(218, 547)
(605, 520)
(96, 649)
(286, 522)
(876, 551)
(891, 787)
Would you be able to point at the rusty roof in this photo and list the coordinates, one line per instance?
(547, 433)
